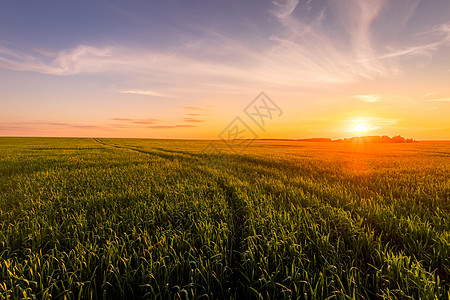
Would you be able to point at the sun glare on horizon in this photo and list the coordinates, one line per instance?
(360, 128)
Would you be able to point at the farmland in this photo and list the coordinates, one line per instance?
(145, 219)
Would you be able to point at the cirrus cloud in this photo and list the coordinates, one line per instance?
(306, 52)
(370, 98)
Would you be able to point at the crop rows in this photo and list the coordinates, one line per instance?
(157, 219)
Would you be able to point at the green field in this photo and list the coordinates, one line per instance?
(157, 219)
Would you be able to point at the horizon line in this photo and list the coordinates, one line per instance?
(218, 139)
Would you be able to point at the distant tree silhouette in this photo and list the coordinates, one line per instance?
(363, 139)
(398, 139)
(380, 139)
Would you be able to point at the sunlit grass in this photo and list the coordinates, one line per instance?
(146, 219)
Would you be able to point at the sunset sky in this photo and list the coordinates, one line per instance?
(186, 69)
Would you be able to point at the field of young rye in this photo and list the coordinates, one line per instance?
(157, 219)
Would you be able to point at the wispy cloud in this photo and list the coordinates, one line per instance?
(436, 97)
(303, 54)
(284, 10)
(370, 98)
(193, 117)
(170, 126)
(446, 99)
(358, 17)
(45, 52)
(325, 58)
(143, 92)
(138, 121)
(193, 120)
(150, 123)
(425, 44)
(82, 59)
(11, 127)
(40, 125)
(32, 124)
(71, 125)
(196, 108)
(320, 54)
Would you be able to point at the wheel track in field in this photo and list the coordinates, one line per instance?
(161, 154)
(237, 208)
(234, 203)
(342, 202)
(238, 214)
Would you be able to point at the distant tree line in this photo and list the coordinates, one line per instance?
(364, 139)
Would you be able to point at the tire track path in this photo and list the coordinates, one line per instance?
(159, 152)
(233, 199)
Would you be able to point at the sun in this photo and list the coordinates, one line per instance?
(359, 128)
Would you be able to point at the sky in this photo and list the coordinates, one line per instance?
(190, 69)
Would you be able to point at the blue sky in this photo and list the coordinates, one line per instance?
(131, 68)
